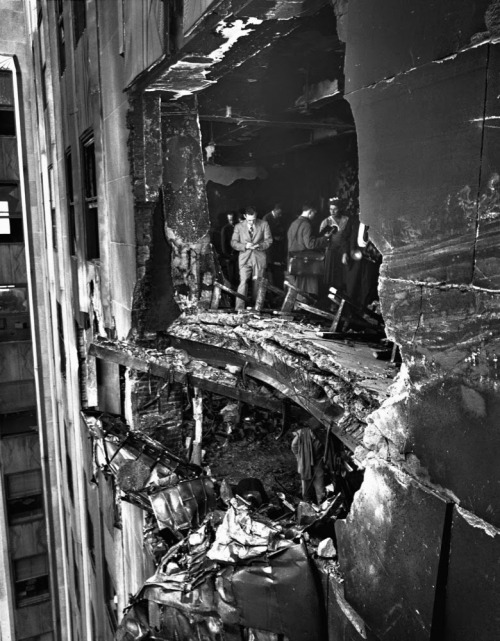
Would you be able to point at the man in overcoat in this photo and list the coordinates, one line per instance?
(300, 239)
(251, 238)
(276, 255)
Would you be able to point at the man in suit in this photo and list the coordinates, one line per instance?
(251, 238)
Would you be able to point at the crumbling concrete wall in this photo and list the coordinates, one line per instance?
(158, 409)
(153, 301)
(187, 221)
(171, 212)
(425, 103)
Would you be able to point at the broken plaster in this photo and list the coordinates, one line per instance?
(227, 175)
(407, 471)
(475, 522)
(420, 320)
(231, 31)
(442, 285)
(438, 61)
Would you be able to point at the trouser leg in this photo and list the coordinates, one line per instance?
(245, 274)
(319, 482)
(257, 272)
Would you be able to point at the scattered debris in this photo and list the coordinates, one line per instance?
(237, 552)
(326, 549)
(230, 554)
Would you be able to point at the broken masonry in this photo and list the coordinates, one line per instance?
(232, 554)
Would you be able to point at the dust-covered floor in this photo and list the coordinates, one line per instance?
(246, 442)
(267, 459)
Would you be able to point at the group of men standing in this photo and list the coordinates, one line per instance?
(261, 247)
(254, 248)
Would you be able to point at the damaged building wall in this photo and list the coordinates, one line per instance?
(172, 222)
(424, 105)
(157, 407)
(425, 110)
(185, 202)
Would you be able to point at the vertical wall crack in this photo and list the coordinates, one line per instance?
(480, 177)
(439, 614)
(420, 314)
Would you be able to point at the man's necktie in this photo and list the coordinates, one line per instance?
(250, 231)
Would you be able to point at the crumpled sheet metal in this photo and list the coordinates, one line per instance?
(276, 591)
(279, 594)
(185, 577)
(197, 601)
(135, 625)
(185, 505)
(115, 443)
(185, 626)
(240, 537)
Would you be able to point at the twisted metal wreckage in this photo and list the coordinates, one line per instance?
(232, 564)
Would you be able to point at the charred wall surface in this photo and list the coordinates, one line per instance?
(171, 211)
(422, 82)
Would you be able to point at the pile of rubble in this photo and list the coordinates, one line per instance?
(232, 562)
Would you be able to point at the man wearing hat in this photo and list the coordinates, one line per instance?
(251, 238)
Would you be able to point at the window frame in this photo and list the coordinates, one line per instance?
(79, 16)
(61, 37)
(12, 498)
(70, 198)
(41, 577)
(16, 230)
(90, 199)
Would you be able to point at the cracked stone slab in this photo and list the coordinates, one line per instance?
(343, 621)
(388, 37)
(416, 180)
(453, 430)
(389, 551)
(473, 587)
(487, 257)
(441, 324)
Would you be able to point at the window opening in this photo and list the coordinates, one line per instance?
(52, 207)
(11, 223)
(62, 345)
(70, 197)
(31, 580)
(6, 89)
(76, 574)
(24, 496)
(90, 197)
(110, 597)
(79, 19)
(69, 466)
(90, 536)
(121, 27)
(18, 423)
(61, 40)
(43, 64)
(7, 122)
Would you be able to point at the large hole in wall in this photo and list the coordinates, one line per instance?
(276, 129)
(248, 448)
